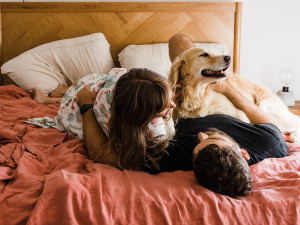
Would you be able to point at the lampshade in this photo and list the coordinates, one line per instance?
(286, 77)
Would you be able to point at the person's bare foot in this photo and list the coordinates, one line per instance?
(39, 97)
(59, 91)
(178, 43)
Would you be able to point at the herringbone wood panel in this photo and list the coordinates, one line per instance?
(22, 31)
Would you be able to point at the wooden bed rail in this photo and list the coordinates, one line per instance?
(118, 6)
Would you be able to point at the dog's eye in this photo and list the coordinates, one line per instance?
(204, 54)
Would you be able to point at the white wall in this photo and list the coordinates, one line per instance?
(270, 39)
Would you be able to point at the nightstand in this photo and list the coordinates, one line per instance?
(296, 108)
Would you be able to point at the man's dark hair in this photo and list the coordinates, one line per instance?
(222, 170)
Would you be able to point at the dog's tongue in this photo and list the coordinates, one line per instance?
(213, 73)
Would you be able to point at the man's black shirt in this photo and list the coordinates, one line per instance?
(261, 141)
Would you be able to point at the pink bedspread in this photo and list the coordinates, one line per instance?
(46, 178)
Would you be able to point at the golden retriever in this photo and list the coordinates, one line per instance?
(196, 70)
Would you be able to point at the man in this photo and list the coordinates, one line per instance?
(219, 148)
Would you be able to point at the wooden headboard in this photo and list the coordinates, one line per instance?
(27, 25)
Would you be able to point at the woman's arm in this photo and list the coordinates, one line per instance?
(94, 137)
(253, 112)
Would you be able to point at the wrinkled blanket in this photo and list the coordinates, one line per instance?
(46, 178)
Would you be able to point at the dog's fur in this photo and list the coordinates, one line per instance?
(196, 70)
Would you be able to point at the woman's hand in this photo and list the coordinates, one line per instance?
(95, 140)
(178, 91)
(85, 96)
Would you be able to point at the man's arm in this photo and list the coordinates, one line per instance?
(253, 112)
(94, 138)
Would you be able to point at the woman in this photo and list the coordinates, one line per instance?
(131, 126)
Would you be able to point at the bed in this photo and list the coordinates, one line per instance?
(45, 175)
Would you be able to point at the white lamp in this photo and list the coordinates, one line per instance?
(286, 77)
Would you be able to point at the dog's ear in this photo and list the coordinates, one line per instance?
(177, 73)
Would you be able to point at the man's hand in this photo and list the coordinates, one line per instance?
(85, 96)
(221, 86)
(287, 137)
(253, 112)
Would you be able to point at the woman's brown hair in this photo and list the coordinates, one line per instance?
(138, 96)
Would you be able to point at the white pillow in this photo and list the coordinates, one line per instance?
(215, 48)
(60, 62)
(156, 56)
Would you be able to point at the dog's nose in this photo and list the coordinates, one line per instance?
(227, 58)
